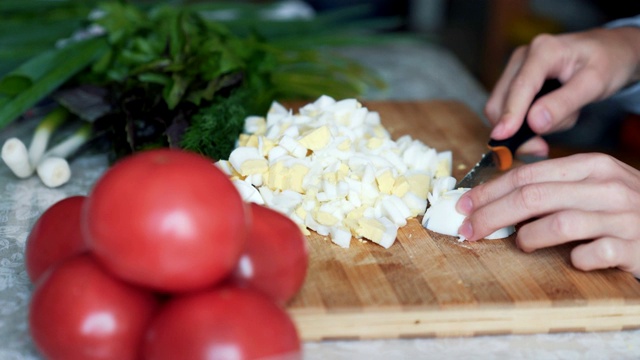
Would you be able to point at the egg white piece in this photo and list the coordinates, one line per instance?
(248, 192)
(442, 216)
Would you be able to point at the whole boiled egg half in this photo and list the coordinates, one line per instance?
(443, 218)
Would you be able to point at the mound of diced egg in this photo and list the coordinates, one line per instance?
(334, 169)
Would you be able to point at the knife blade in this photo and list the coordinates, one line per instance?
(501, 152)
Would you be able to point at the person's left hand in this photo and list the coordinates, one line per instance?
(581, 197)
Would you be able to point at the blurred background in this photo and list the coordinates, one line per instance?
(483, 33)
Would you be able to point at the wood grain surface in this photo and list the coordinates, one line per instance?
(430, 285)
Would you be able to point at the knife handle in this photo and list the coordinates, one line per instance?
(505, 149)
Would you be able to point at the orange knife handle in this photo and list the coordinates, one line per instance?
(503, 156)
(505, 149)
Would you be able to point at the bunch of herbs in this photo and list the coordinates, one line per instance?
(172, 73)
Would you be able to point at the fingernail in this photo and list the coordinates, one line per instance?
(465, 205)
(466, 229)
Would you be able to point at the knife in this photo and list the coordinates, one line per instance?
(501, 152)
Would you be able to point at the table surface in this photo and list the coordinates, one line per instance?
(412, 72)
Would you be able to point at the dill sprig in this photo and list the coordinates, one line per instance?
(215, 128)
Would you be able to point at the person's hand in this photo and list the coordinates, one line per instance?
(582, 197)
(591, 65)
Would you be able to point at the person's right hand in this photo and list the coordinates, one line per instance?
(592, 65)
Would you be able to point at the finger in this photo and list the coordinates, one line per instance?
(571, 168)
(541, 63)
(608, 252)
(495, 103)
(571, 225)
(535, 200)
(558, 110)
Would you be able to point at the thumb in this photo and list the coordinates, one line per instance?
(537, 146)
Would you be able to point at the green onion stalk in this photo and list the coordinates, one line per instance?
(50, 165)
(53, 169)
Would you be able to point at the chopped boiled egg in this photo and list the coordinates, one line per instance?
(316, 139)
(247, 160)
(248, 192)
(255, 125)
(442, 216)
(334, 169)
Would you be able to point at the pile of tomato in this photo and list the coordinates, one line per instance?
(164, 260)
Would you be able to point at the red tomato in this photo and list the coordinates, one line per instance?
(223, 323)
(276, 258)
(79, 311)
(167, 219)
(55, 236)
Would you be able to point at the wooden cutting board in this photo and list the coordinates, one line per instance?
(429, 285)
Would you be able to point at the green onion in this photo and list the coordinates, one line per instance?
(19, 92)
(54, 169)
(16, 156)
(72, 143)
(43, 132)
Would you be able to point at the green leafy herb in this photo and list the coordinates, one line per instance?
(176, 75)
(214, 130)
